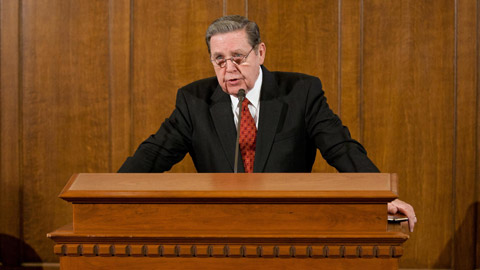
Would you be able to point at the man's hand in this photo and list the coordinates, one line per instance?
(398, 206)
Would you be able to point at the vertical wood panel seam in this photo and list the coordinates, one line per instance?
(131, 100)
(20, 19)
(224, 11)
(477, 146)
(339, 40)
(1, 78)
(360, 94)
(454, 150)
(110, 96)
(246, 9)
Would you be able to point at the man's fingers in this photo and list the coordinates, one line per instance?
(392, 209)
(407, 210)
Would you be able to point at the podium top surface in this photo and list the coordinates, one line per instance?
(224, 187)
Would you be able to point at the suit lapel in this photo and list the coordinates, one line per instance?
(222, 115)
(270, 111)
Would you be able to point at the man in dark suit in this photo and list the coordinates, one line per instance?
(285, 117)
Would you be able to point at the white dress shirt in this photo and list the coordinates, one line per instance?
(254, 97)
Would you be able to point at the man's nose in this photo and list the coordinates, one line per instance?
(230, 66)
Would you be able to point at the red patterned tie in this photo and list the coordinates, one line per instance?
(248, 136)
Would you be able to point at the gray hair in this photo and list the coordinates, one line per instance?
(233, 23)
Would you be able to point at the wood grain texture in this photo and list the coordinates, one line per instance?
(120, 106)
(222, 188)
(465, 195)
(477, 231)
(477, 143)
(169, 51)
(233, 185)
(301, 36)
(65, 107)
(236, 7)
(409, 114)
(350, 67)
(182, 219)
(10, 128)
(222, 263)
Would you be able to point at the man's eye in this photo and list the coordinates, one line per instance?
(237, 55)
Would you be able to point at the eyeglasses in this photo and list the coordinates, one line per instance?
(237, 59)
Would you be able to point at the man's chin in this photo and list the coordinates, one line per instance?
(233, 91)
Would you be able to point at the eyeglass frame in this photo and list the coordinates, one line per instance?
(242, 60)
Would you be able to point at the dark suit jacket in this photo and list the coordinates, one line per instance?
(294, 121)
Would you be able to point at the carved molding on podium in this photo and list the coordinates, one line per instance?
(232, 251)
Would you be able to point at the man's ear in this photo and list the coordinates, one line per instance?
(262, 50)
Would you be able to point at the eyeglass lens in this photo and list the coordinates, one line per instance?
(222, 62)
(236, 60)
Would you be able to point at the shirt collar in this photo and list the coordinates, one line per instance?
(254, 94)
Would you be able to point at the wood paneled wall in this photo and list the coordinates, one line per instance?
(83, 82)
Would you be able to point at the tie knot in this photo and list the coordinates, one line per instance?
(245, 102)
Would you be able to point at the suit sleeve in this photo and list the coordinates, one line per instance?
(165, 148)
(331, 137)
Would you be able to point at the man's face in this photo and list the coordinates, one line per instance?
(233, 77)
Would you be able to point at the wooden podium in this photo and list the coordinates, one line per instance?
(229, 221)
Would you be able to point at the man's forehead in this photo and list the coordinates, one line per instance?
(236, 41)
